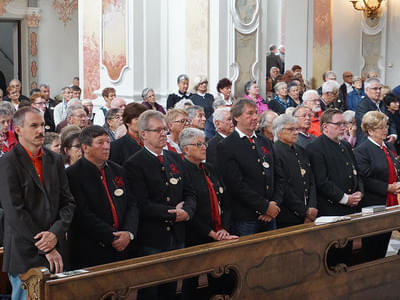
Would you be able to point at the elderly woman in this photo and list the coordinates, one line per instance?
(52, 141)
(149, 100)
(211, 219)
(294, 92)
(200, 96)
(281, 100)
(252, 92)
(71, 148)
(130, 143)
(265, 124)
(379, 170)
(183, 85)
(224, 90)
(13, 95)
(350, 134)
(113, 121)
(356, 95)
(296, 191)
(177, 120)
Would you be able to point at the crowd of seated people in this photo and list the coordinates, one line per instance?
(125, 180)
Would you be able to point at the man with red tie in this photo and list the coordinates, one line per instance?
(105, 222)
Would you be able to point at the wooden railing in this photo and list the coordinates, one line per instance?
(288, 263)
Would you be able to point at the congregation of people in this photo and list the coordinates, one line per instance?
(89, 182)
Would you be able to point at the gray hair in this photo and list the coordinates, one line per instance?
(349, 116)
(218, 102)
(145, 92)
(273, 68)
(65, 88)
(72, 108)
(7, 106)
(280, 85)
(220, 114)
(299, 107)
(182, 103)
(356, 78)
(86, 102)
(307, 94)
(182, 77)
(111, 113)
(329, 73)
(145, 117)
(248, 85)
(45, 85)
(5, 112)
(192, 110)
(280, 122)
(187, 136)
(370, 81)
(19, 116)
(74, 101)
(266, 119)
(329, 86)
(239, 106)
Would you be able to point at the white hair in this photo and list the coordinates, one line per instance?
(220, 113)
(370, 81)
(349, 116)
(329, 86)
(280, 122)
(307, 94)
(182, 103)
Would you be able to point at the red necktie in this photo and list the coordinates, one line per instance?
(250, 140)
(113, 210)
(391, 199)
(160, 158)
(215, 215)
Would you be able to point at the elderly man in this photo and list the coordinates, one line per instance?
(45, 94)
(304, 116)
(8, 136)
(16, 84)
(224, 126)
(347, 86)
(246, 162)
(156, 180)
(76, 115)
(339, 186)
(209, 129)
(106, 218)
(119, 103)
(38, 206)
(328, 75)
(196, 116)
(329, 98)
(265, 124)
(312, 101)
(297, 196)
(60, 111)
(372, 101)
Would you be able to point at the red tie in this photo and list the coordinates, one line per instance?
(391, 199)
(160, 158)
(250, 140)
(113, 210)
(215, 215)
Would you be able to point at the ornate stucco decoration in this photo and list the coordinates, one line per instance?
(3, 4)
(33, 20)
(64, 9)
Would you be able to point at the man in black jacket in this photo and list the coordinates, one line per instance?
(156, 180)
(106, 217)
(339, 186)
(38, 206)
(372, 101)
(246, 162)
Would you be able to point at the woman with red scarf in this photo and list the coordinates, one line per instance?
(211, 219)
(379, 170)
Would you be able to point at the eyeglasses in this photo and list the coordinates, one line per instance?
(338, 124)
(292, 129)
(183, 121)
(158, 130)
(78, 146)
(40, 103)
(199, 145)
(117, 117)
(305, 116)
(376, 88)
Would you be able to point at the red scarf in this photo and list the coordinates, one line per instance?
(391, 199)
(215, 215)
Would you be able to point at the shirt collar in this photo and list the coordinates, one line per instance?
(375, 143)
(156, 155)
(242, 135)
(33, 157)
(223, 135)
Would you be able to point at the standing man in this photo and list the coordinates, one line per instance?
(40, 103)
(156, 180)
(346, 87)
(224, 126)
(304, 116)
(106, 218)
(339, 187)
(38, 206)
(372, 101)
(60, 111)
(273, 60)
(45, 94)
(246, 162)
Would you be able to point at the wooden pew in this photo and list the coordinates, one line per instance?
(288, 263)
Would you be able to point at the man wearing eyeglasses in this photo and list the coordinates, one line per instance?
(37, 101)
(372, 101)
(304, 116)
(339, 186)
(156, 180)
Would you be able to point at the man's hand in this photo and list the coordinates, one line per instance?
(273, 209)
(354, 199)
(47, 241)
(221, 235)
(311, 215)
(122, 240)
(391, 139)
(264, 218)
(394, 188)
(55, 261)
(181, 215)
